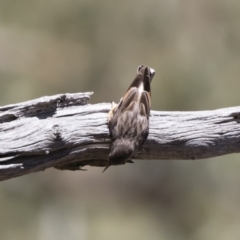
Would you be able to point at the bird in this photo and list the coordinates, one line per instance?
(128, 121)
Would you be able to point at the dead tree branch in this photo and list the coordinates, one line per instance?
(65, 132)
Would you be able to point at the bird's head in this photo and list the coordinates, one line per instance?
(120, 152)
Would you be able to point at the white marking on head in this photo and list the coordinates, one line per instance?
(152, 71)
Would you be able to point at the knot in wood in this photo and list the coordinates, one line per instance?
(56, 132)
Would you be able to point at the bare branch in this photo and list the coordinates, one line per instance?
(65, 132)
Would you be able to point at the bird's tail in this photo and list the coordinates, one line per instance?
(144, 76)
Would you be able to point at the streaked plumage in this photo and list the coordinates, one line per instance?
(128, 120)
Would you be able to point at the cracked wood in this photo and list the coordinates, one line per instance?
(65, 132)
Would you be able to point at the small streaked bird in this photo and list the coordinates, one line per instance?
(128, 121)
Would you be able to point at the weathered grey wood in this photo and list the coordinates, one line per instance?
(65, 132)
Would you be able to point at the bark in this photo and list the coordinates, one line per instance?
(65, 132)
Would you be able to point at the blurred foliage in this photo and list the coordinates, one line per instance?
(49, 47)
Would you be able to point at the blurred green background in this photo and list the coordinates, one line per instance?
(51, 47)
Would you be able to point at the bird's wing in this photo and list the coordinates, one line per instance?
(125, 106)
(126, 103)
(144, 136)
(130, 97)
(145, 104)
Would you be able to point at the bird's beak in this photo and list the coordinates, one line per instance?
(106, 168)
